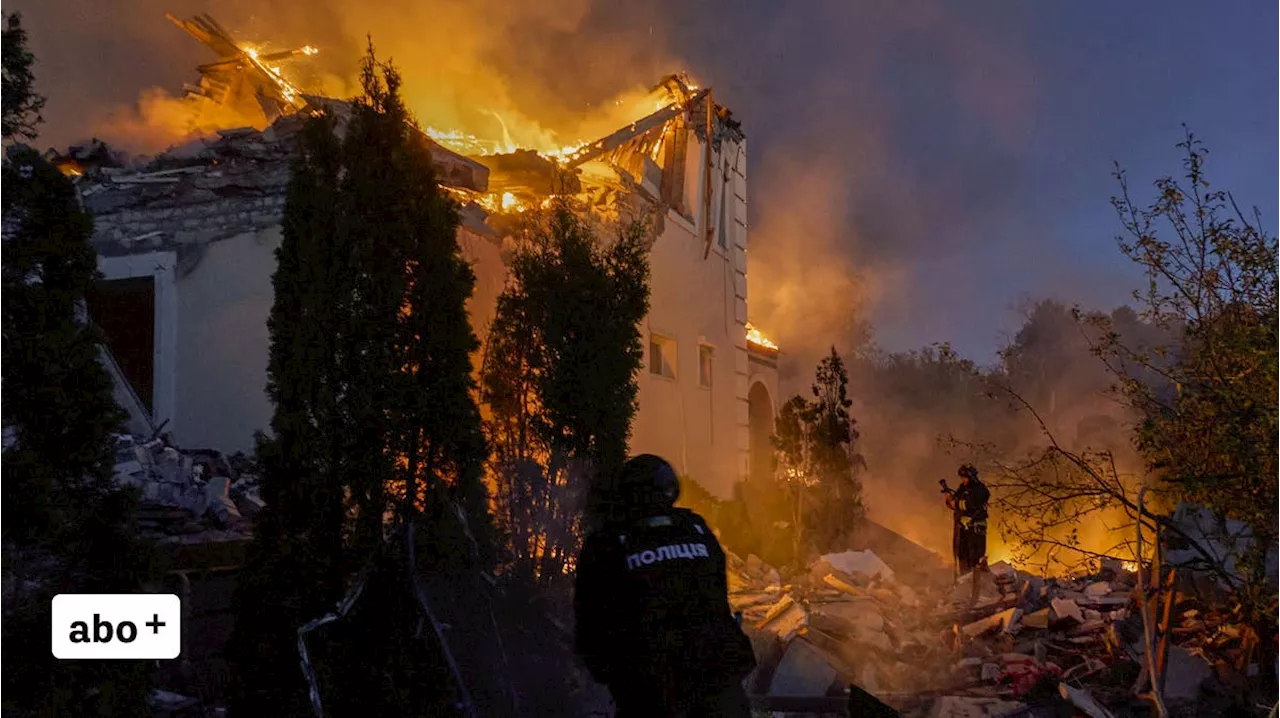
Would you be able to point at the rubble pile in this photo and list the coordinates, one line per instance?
(847, 620)
(1013, 645)
(203, 191)
(214, 187)
(187, 496)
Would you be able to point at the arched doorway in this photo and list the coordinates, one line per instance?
(760, 423)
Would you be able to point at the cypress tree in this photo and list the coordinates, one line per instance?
(67, 525)
(414, 416)
(560, 378)
(370, 374)
(415, 444)
(296, 567)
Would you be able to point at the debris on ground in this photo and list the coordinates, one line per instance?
(1018, 645)
(187, 496)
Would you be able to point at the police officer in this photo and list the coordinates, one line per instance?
(652, 606)
(969, 502)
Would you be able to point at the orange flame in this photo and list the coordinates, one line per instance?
(755, 336)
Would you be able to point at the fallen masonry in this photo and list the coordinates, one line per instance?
(187, 497)
(1022, 645)
(1025, 646)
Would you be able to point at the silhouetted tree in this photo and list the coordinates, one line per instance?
(816, 445)
(375, 420)
(22, 104)
(67, 525)
(1212, 283)
(296, 566)
(559, 377)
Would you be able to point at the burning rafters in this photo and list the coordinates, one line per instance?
(240, 67)
(683, 96)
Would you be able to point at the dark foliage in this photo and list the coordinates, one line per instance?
(370, 374)
(67, 525)
(559, 377)
(816, 445)
(22, 104)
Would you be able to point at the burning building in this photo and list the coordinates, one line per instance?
(186, 245)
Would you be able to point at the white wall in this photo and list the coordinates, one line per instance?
(702, 432)
(222, 344)
(222, 350)
(218, 367)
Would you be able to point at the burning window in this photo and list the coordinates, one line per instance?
(705, 353)
(662, 356)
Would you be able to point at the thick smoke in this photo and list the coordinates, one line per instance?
(533, 75)
(847, 209)
(910, 406)
(882, 140)
(843, 208)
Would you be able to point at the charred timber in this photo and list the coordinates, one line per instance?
(635, 129)
(526, 171)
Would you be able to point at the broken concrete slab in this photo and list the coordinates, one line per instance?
(249, 503)
(1002, 621)
(818, 569)
(1097, 589)
(218, 500)
(1081, 699)
(988, 590)
(166, 702)
(802, 672)
(1038, 619)
(859, 615)
(855, 563)
(1002, 568)
(1103, 601)
(768, 649)
(772, 577)
(1088, 627)
(1065, 608)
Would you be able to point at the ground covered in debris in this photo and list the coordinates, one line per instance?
(187, 496)
(904, 630)
(1014, 645)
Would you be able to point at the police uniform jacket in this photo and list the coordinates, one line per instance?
(651, 603)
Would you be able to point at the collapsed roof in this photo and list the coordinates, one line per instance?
(214, 187)
(241, 73)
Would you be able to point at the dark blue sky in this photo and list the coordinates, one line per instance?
(997, 125)
(924, 164)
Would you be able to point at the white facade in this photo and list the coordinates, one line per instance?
(211, 341)
(698, 307)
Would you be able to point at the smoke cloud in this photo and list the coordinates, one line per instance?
(843, 206)
(910, 406)
(521, 72)
(887, 148)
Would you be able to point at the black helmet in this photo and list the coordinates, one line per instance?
(967, 470)
(648, 480)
